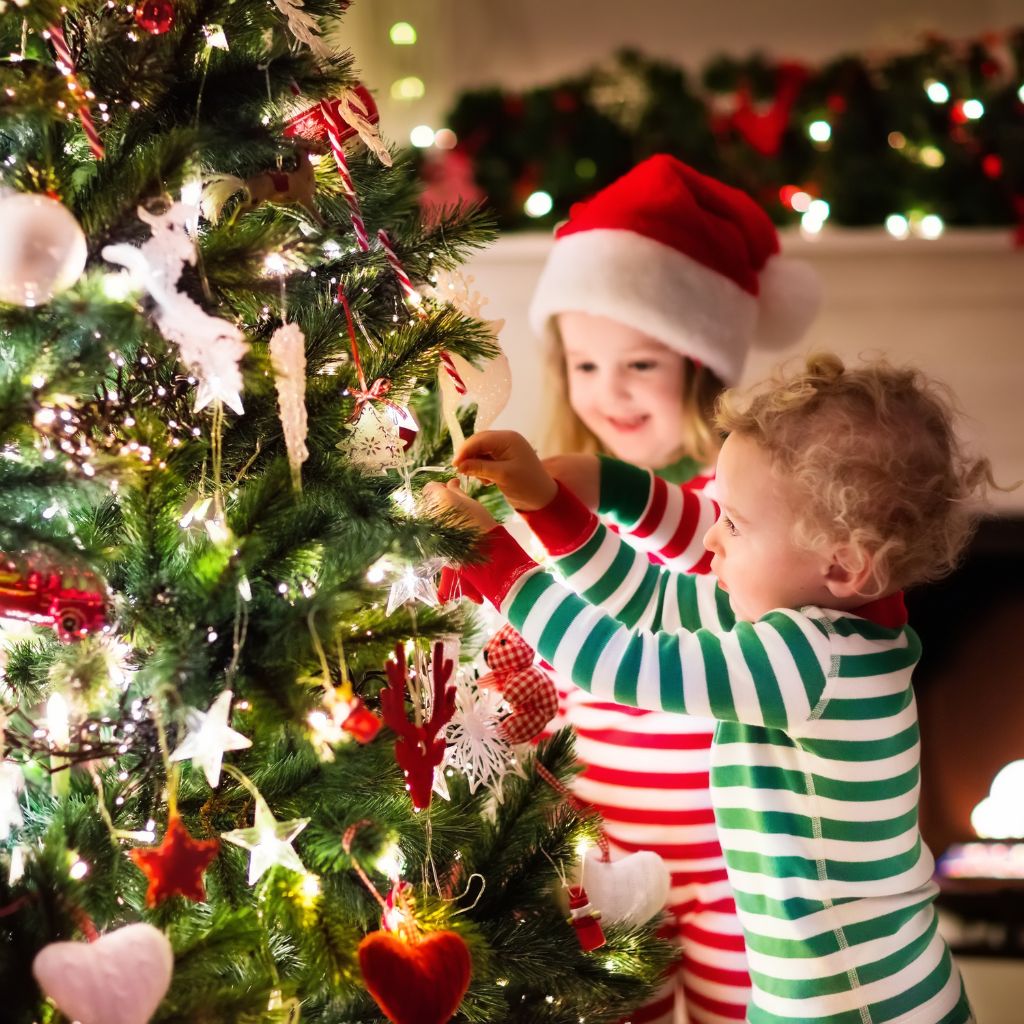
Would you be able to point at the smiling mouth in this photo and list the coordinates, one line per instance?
(629, 424)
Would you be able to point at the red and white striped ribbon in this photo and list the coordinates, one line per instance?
(449, 364)
(67, 66)
(412, 296)
(334, 132)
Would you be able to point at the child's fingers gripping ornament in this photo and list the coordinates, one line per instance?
(527, 689)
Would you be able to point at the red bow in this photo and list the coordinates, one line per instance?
(376, 392)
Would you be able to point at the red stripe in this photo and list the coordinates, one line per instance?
(719, 975)
(644, 816)
(652, 1011)
(648, 780)
(732, 943)
(650, 741)
(704, 565)
(672, 851)
(731, 1010)
(683, 535)
(651, 519)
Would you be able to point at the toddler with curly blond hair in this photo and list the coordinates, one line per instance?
(837, 489)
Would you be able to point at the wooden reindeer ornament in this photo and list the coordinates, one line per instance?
(288, 188)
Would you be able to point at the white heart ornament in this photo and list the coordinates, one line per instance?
(631, 890)
(118, 979)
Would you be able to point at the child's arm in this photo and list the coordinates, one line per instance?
(665, 520)
(770, 673)
(600, 566)
(596, 562)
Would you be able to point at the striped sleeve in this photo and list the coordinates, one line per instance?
(666, 521)
(771, 673)
(606, 570)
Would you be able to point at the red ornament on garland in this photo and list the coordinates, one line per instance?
(176, 866)
(585, 919)
(416, 982)
(156, 16)
(361, 723)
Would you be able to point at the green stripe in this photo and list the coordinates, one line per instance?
(609, 581)
(769, 693)
(803, 654)
(835, 870)
(818, 984)
(785, 823)
(716, 673)
(863, 751)
(628, 673)
(624, 492)
(864, 709)
(916, 995)
(635, 607)
(879, 663)
(686, 598)
(670, 673)
(569, 565)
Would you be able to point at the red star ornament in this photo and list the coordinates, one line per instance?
(176, 866)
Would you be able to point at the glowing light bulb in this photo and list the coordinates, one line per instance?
(938, 92)
(897, 225)
(932, 226)
(538, 204)
(403, 34)
(410, 88)
(422, 136)
(973, 109)
(820, 131)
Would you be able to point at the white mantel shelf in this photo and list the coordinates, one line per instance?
(953, 306)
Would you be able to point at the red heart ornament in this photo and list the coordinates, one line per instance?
(416, 982)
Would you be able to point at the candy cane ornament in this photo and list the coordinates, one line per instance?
(67, 68)
(334, 133)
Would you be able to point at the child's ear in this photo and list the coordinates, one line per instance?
(850, 573)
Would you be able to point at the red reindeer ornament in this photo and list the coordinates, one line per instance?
(527, 689)
(419, 749)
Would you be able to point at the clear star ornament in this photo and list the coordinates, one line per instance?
(209, 737)
(269, 842)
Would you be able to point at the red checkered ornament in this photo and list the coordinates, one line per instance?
(527, 689)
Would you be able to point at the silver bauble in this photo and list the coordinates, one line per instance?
(42, 248)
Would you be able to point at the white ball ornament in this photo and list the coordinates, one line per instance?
(118, 979)
(43, 250)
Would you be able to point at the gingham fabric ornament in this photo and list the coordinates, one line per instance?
(527, 689)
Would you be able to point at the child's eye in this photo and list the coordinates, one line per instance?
(643, 365)
(585, 367)
(729, 525)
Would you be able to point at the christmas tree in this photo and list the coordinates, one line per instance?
(229, 687)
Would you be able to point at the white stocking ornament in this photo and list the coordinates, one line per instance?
(629, 891)
(118, 979)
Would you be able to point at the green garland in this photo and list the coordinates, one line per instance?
(938, 131)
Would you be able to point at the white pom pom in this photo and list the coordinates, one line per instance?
(788, 302)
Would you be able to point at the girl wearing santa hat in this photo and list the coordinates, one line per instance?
(654, 291)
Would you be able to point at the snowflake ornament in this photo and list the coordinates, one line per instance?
(476, 747)
(415, 584)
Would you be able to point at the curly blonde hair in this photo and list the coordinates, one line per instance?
(875, 458)
(565, 432)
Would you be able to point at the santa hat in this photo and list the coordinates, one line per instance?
(683, 258)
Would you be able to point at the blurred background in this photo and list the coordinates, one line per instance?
(887, 141)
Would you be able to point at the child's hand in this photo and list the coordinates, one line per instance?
(505, 458)
(453, 499)
(581, 474)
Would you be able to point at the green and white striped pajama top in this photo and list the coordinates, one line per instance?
(815, 763)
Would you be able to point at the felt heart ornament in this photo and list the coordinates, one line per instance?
(416, 982)
(631, 890)
(118, 979)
